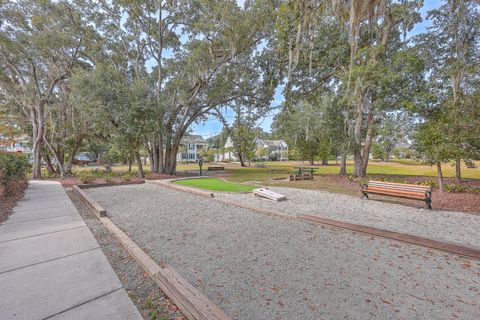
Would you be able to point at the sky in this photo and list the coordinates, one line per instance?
(213, 126)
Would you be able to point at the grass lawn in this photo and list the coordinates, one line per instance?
(215, 185)
(281, 169)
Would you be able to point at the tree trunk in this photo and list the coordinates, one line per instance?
(242, 161)
(343, 164)
(37, 146)
(150, 159)
(73, 153)
(156, 158)
(325, 162)
(458, 173)
(140, 172)
(357, 164)
(161, 162)
(129, 161)
(368, 141)
(48, 163)
(357, 153)
(440, 177)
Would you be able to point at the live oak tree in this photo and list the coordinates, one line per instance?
(40, 44)
(353, 42)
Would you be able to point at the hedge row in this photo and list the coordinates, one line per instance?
(12, 167)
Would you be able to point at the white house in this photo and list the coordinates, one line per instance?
(274, 150)
(192, 148)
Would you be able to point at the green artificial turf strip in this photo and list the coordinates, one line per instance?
(215, 184)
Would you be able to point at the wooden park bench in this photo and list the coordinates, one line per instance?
(260, 165)
(402, 190)
(211, 168)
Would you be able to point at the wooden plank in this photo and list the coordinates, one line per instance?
(459, 249)
(398, 194)
(398, 184)
(193, 304)
(197, 304)
(372, 189)
(397, 187)
(269, 194)
(110, 184)
(92, 204)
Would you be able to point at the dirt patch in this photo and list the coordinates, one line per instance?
(142, 290)
(10, 196)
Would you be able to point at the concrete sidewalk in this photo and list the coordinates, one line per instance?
(51, 266)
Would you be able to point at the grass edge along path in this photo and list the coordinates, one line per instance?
(215, 184)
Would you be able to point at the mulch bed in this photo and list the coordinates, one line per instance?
(68, 182)
(9, 198)
(464, 202)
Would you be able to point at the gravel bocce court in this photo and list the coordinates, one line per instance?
(457, 227)
(255, 266)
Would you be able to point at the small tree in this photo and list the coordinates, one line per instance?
(432, 145)
(261, 153)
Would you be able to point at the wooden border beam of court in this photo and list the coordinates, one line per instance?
(462, 250)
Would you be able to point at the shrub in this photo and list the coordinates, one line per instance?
(86, 177)
(12, 167)
(429, 183)
(128, 176)
(457, 188)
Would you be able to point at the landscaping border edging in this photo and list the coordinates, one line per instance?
(97, 209)
(458, 249)
(110, 184)
(193, 304)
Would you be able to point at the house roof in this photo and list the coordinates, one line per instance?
(272, 143)
(194, 138)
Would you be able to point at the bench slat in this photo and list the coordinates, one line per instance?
(399, 188)
(421, 192)
(399, 194)
(394, 184)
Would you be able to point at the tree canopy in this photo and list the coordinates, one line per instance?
(130, 78)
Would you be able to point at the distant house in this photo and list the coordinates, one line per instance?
(192, 148)
(273, 150)
(19, 145)
(84, 158)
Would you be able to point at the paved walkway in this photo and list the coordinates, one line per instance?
(51, 266)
